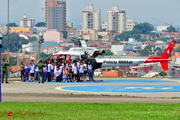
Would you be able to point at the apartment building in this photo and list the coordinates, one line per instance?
(116, 20)
(27, 22)
(130, 24)
(91, 19)
(56, 14)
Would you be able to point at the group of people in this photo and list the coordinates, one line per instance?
(74, 71)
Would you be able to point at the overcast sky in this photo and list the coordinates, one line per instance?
(156, 12)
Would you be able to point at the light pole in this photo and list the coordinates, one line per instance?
(8, 30)
(1, 37)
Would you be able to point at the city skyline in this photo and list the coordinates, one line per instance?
(154, 12)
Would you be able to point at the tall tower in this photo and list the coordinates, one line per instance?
(116, 20)
(56, 14)
(91, 19)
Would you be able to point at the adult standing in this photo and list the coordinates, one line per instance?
(90, 71)
(81, 71)
(27, 70)
(85, 71)
(45, 73)
(65, 77)
(36, 73)
(48, 71)
(32, 68)
(76, 69)
(40, 71)
(22, 69)
(4, 70)
(52, 71)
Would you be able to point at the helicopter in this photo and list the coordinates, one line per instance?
(93, 55)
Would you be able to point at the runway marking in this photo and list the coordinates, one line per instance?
(121, 88)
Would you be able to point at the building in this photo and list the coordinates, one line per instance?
(56, 14)
(72, 33)
(116, 20)
(164, 28)
(54, 36)
(19, 29)
(104, 25)
(91, 19)
(51, 49)
(149, 43)
(30, 47)
(70, 24)
(27, 22)
(88, 34)
(124, 48)
(3, 29)
(130, 24)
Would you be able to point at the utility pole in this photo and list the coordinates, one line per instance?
(39, 45)
(1, 37)
(40, 41)
(8, 30)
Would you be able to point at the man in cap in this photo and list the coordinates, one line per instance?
(40, 71)
(4, 70)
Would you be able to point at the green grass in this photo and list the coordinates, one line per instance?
(88, 111)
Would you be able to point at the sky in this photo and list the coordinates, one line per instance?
(156, 12)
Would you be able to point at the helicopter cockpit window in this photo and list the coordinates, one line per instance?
(54, 59)
(75, 58)
(62, 57)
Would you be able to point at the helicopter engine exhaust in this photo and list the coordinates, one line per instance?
(97, 53)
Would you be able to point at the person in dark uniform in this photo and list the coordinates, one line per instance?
(4, 70)
(22, 69)
(40, 71)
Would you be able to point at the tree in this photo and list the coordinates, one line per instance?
(177, 49)
(64, 34)
(27, 52)
(12, 24)
(13, 61)
(99, 36)
(43, 56)
(171, 29)
(41, 24)
(144, 28)
(158, 51)
(163, 73)
(146, 51)
(35, 33)
(108, 53)
(15, 42)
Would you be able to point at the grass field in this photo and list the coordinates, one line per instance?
(88, 111)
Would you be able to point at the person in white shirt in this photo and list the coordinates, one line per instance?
(45, 73)
(36, 73)
(85, 71)
(76, 72)
(81, 71)
(48, 71)
(90, 71)
(32, 68)
(72, 65)
(57, 74)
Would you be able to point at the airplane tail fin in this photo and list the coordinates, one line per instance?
(166, 55)
(169, 49)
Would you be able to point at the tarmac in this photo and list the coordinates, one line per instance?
(112, 90)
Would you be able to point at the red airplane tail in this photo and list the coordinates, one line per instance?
(166, 55)
(164, 58)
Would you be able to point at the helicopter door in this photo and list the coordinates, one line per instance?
(54, 58)
(74, 58)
